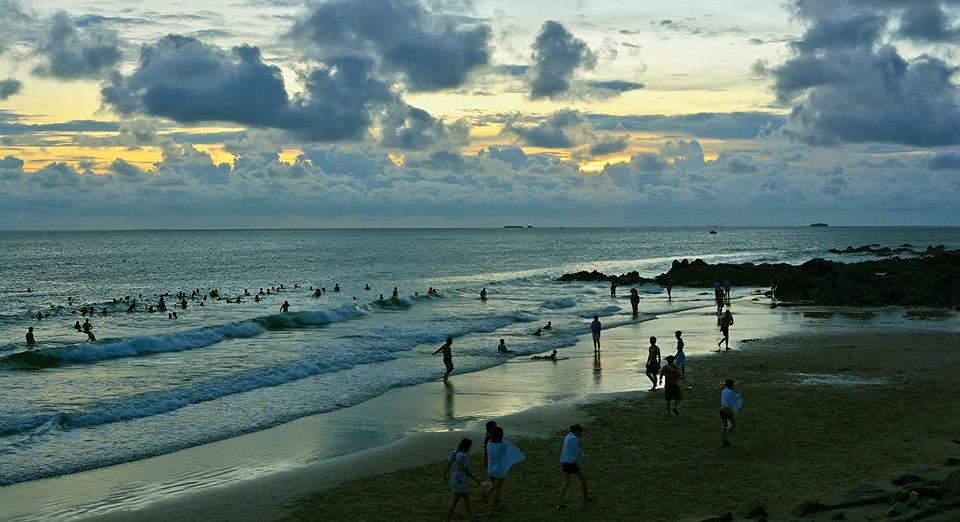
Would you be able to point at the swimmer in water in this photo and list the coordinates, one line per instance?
(551, 357)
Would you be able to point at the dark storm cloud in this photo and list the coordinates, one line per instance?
(609, 146)
(616, 85)
(72, 51)
(928, 21)
(557, 54)
(847, 84)
(187, 81)
(9, 87)
(563, 129)
(431, 50)
(733, 125)
(9, 129)
(410, 128)
(945, 161)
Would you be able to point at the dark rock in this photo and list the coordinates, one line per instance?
(898, 509)
(758, 512)
(837, 516)
(906, 479)
(953, 461)
(726, 517)
(807, 508)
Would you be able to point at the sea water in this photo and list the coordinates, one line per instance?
(151, 384)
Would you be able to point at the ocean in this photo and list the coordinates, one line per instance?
(152, 384)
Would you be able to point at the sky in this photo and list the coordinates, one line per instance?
(478, 113)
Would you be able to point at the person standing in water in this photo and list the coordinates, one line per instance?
(285, 307)
(447, 358)
(595, 330)
(634, 301)
(30, 338)
(483, 294)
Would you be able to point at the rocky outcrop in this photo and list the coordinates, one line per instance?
(630, 278)
(931, 279)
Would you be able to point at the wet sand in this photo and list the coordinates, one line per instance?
(833, 399)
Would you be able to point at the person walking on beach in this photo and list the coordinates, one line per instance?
(634, 301)
(458, 468)
(285, 307)
(595, 329)
(672, 389)
(653, 362)
(726, 320)
(681, 356)
(669, 291)
(730, 403)
(726, 290)
(30, 338)
(447, 358)
(501, 455)
(570, 457)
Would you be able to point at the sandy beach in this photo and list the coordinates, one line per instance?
(833, 400)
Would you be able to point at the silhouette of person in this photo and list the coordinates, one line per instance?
(726, 320)
(634, 301)
(595, 330)
(285, 307)
(447, 358)
(653, 362)
(30, 338)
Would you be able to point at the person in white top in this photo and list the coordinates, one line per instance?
(570, 463)
(730, 402)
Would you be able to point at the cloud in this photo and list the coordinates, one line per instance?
(609, 146)
(557, 55)
(9, 87)
(732, 125)
(617, 86)
(430, 50)
(410, 128)
(14, 20)
(73, 51)
(945, 161)
(183, 79)
(847, 84)
(565, 128)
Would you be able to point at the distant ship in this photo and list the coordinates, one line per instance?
(819, 225)
(518, 226)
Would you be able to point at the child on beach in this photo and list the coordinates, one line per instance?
(570, 463)
(458, 468)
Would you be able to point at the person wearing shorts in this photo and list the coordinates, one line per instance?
(730, 402)
(671, 390)
(570, 463)
(653, 362)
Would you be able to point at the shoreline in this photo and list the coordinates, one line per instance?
(278, 489)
